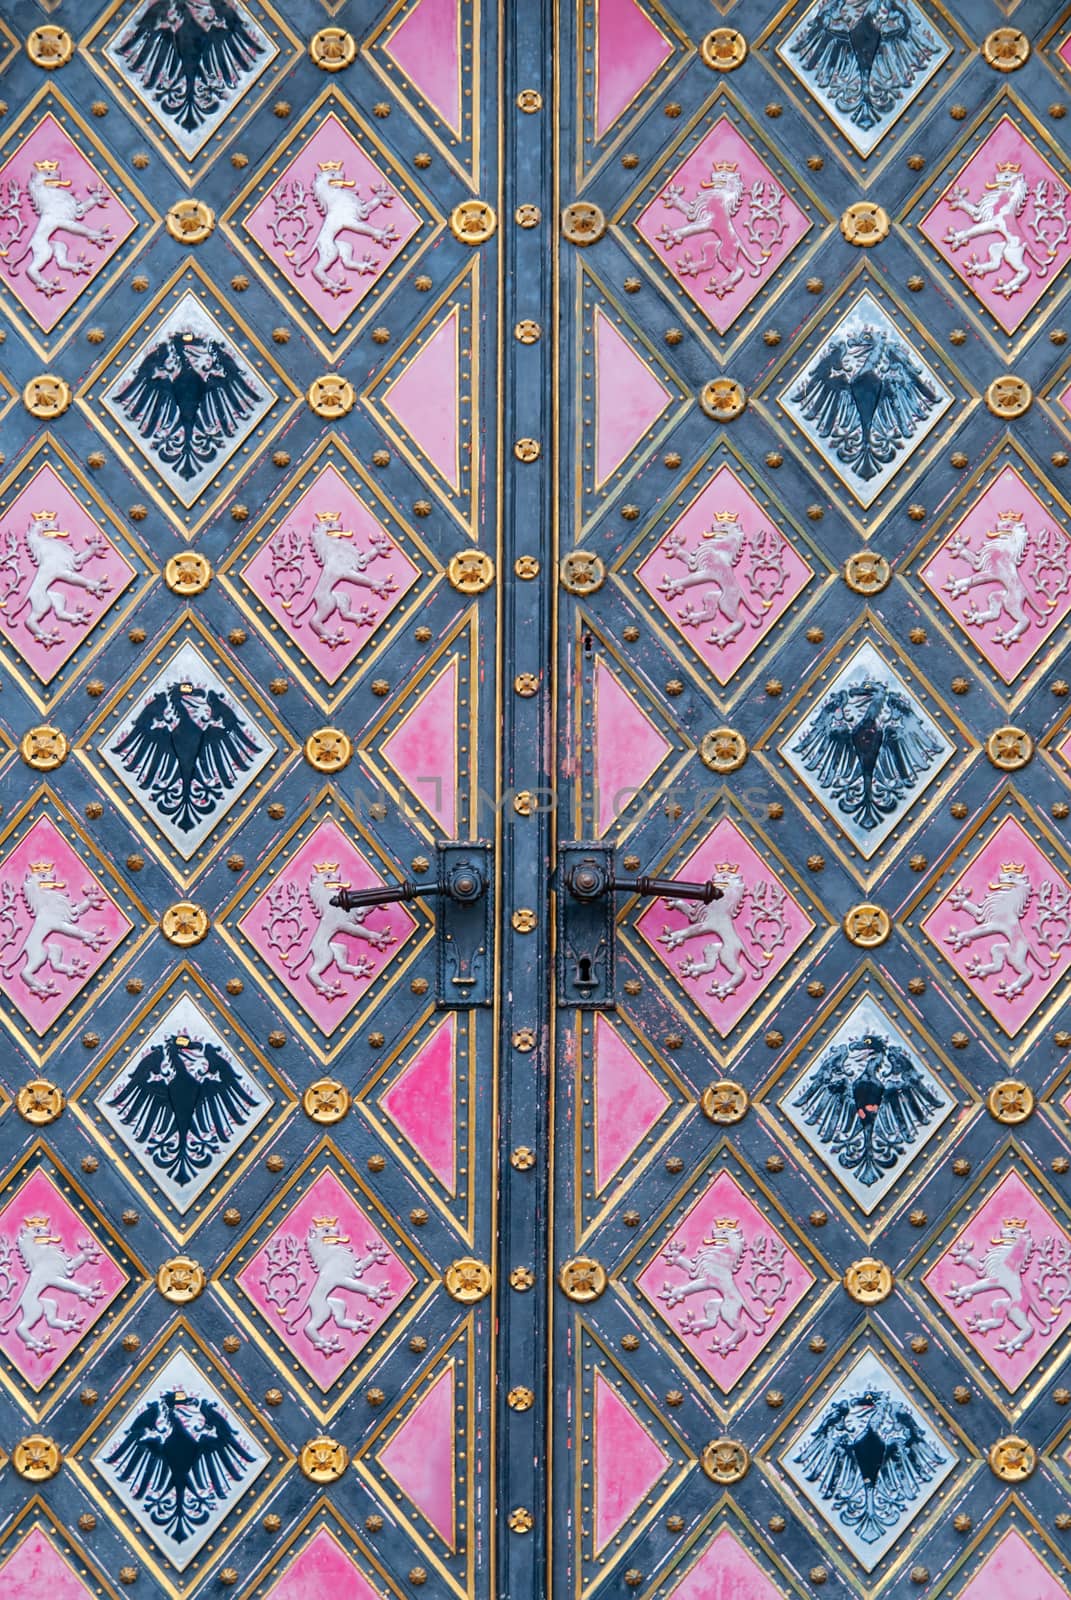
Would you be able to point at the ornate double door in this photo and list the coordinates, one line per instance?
(535, 900)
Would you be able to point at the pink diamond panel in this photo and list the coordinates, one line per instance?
(725, 1281)
(326, 1280)
(1002, 574)
(723, 223)
(36, 1568)
(60, 223)
(1005, 1281)
(724, 955)
(1002, 226)
(58, 926)
(59, 573)
(1005, 926)
(724, 575)
(322, 1568)
(1014, 1569)
(60, 1281)
(326, 957)
(332, 223)
(330, 574)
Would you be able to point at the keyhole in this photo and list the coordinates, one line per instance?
(583, 971)
(587, 644)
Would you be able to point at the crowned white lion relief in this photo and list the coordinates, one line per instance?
(54, 210)
(725, 945)
(741, 1282)
(1018, 241)
(320, 940)
(1029, 1282)
(1024, 574)
(319, 1273)
(1015, 937)
(335, 199)
(52, 916)
(50, 564)
(740, 230)
(48, 1267)
(324, 560)
(739, 575)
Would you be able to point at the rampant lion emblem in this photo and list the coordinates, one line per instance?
(343, 211)
(996, 213)
(713, 1272)
(53, 914)
(47, 1266)
(1001, 919)
(335, 1270)
(715, 924)
(712, 215)
(1028, 1281)
(998, 565)
(55, 565)
(57, 211)
(334, 550)
(325, 942)
(740, 574)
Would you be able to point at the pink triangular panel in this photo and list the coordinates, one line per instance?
(630, 50)
(427, 47)
(726, 1572)
(323, 1568)
(424, 398)
(628, 398)
(36, 1568)
(628, 1463)
(423, 750)
(628, 1102)
(422, 1104)
(420, 1456)
(628, 746)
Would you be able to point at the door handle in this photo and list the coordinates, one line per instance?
(586, 884)
(463, 925)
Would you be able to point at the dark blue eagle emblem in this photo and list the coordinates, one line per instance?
(867, 1101)
(186, 750)
(180, 1458)
(867, 746)
(186, 397)
(190, 56)
(866, 394)
(183, 1103)
(870, 1459)
(864, 54)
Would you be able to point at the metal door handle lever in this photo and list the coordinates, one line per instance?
(463, 924)
(587, 880)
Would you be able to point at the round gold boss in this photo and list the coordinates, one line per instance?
(583, 223)
(867, 926)
(326, 1101)
(1012, 1459)
(331, 49)
(722, 399)
(1009, 748)
(40, 1102)
(1011, 1101)
(36, 1458)
(44, 748)
(184, 924)
(49, 47)
(864, 224)
(723, 750)
(725, 1460)
(180, 1280)
(582, 572)
(723, 49)
(1006, 49)
(473, 222)
(868, 1281)
(725, 1102)
(47, 396)
(190, 221)
(188, 573)
(467, 1280)
(323, 1460)
(582, 1279)
(867, 572)
(328, 749)
(331, 396)
(1009, 397)
(471, 571)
